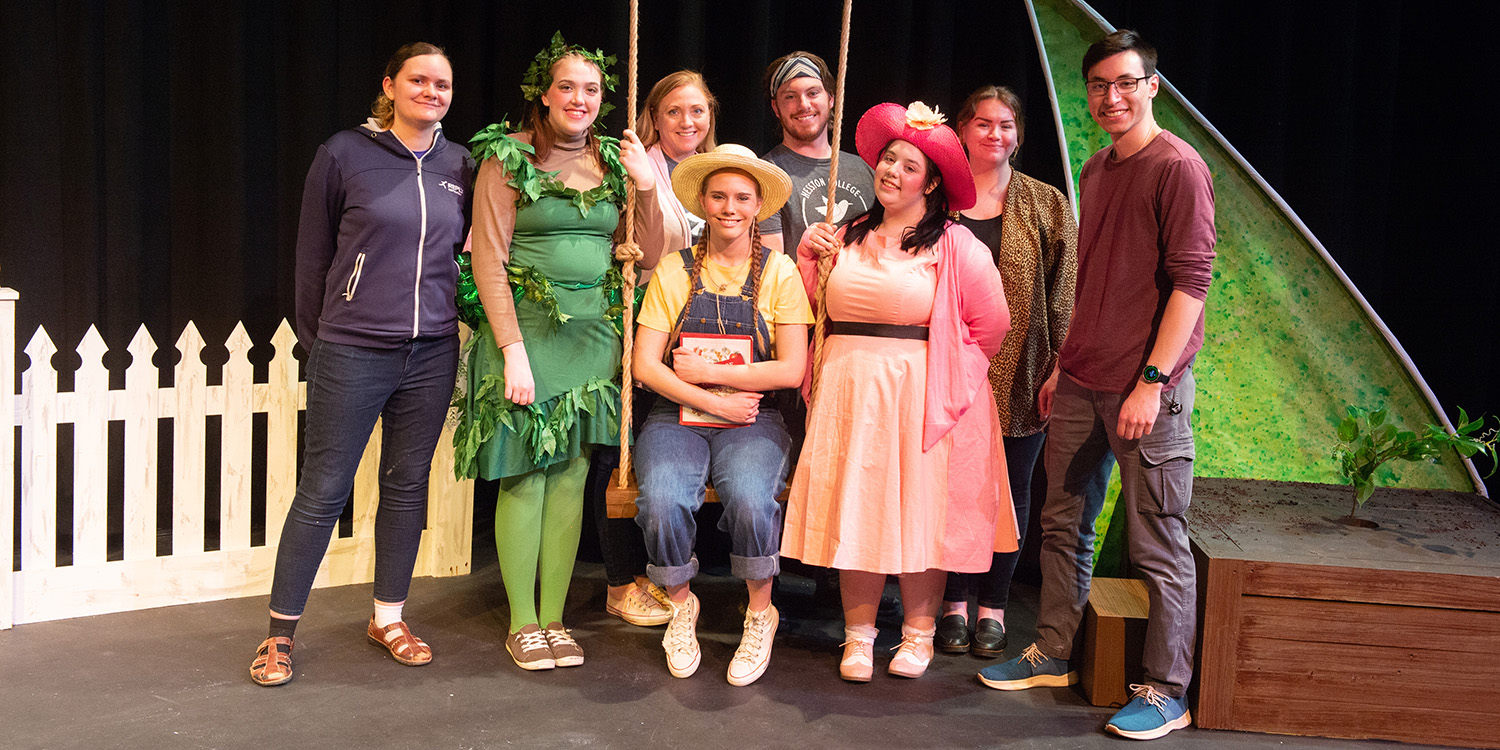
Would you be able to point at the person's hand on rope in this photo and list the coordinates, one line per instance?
(823, 239)
(637, 164)
(520, 388)
(740, 407)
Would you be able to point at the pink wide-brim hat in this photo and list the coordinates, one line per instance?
(923, 128)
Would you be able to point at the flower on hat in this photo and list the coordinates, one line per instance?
(922, 117)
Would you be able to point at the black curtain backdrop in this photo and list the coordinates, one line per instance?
(154, 152)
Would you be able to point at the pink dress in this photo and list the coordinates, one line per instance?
(865, 495)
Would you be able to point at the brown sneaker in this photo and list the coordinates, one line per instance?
(528, 646)
(639, 607)
(565, 651)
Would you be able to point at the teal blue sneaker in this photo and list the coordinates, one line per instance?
(1149, 715)
(1031, 669)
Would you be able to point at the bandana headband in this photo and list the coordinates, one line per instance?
(792, 69)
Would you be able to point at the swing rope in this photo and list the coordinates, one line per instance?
(825, 261)
(628, 252)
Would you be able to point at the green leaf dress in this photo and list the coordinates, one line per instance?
(567, 286)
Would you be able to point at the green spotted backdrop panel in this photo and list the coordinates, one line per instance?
(1287, 346)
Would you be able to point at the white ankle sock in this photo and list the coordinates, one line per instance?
(387, 614)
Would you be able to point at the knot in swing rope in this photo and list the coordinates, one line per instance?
(629, 252)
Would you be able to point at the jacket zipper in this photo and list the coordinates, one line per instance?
(359, 267)
(416, 313)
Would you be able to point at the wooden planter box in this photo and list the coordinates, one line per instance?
(1311, 627)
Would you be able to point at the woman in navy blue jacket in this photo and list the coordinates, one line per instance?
(385, 206)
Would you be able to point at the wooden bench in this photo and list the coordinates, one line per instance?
(1114, 635)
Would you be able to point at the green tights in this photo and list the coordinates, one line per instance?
(538, 519)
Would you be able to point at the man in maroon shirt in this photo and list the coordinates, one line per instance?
(1124, 383)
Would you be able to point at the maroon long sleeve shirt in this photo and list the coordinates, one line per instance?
(1146, 228)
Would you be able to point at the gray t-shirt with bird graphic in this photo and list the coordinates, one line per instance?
(808, 203)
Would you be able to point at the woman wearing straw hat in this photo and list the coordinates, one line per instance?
(734, 316)
(900, 473)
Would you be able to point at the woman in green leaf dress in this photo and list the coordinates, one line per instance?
(543, 371)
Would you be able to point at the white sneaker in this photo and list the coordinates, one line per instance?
(754, 654)
(639, 607)
(681, 640)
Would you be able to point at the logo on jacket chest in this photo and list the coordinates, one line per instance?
(451, 187)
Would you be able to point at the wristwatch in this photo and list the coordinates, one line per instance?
(1153, 374)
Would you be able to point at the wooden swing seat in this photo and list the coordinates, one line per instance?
(619, 502)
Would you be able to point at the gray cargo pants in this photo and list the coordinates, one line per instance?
(1156, 474)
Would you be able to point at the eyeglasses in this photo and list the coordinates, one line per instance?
(1123, 85)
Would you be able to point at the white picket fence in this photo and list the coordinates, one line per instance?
(92, 584)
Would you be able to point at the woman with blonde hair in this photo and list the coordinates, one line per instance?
(729, 293)
(679, 119)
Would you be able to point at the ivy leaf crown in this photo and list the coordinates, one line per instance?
(539, 74)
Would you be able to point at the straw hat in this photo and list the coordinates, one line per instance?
(922, 127)
(688, 177)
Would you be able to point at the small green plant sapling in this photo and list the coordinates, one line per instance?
(1367, 440)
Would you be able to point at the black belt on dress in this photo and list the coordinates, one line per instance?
(882, 330)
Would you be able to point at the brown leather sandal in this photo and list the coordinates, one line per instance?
(273, 662)
(404, 647)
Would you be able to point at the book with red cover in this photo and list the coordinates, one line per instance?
(719, 349)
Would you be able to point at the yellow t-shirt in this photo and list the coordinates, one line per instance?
(782, 299)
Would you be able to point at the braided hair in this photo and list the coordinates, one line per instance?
(757, 270)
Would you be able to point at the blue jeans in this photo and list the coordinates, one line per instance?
(348, 387)
(1156, 484)
(748, 467)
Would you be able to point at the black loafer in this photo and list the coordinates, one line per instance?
(989, 639)
(953, 635)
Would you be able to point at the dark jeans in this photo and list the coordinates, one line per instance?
(1021, 454)
(620, 542)
(348, 387)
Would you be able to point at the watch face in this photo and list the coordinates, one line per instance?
(1151, 374)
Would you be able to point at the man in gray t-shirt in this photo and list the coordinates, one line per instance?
(798, 87)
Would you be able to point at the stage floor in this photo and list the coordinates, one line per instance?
(176, 677)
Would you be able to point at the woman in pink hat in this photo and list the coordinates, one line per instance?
(901, 473)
